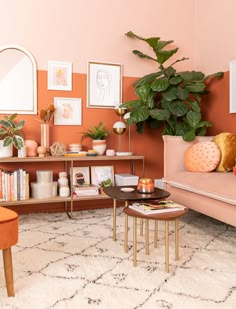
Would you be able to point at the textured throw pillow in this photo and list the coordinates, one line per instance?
(202, 157)
(227, 144)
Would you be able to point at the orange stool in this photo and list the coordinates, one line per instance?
(8, 238)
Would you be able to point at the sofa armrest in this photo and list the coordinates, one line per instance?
(174, 149)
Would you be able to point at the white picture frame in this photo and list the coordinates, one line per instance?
(80, 175)
(102, 173)
(68, 111)
(104, 85)
(59, 75)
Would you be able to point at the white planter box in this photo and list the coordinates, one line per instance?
(126, 180)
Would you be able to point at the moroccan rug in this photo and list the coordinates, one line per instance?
(74, 263)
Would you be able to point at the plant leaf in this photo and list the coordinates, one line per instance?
(178, 108)
(160, 84)
(160, 114)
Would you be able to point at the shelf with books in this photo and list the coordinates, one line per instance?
(33, 163)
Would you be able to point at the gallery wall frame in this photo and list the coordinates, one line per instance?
(232, 87)
(68, 111)
(102, 173)
(104, 85)
(59, 75)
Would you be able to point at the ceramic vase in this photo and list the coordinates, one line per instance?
(45, 136)
(5, 151)
(99, 145)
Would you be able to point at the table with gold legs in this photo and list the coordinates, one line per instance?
(165, 216)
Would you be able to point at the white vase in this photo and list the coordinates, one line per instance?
(5, 151)
(99, 145)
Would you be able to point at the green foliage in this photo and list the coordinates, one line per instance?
(106, 183)
(10, 131)
(97, 132)
(167, 98)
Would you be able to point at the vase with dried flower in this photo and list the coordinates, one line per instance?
(46, 115)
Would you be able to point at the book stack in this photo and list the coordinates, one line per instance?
(155, 207)
(84, 190)
(14, 186)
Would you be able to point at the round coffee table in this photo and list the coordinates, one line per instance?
(165, 216)
(116, 193)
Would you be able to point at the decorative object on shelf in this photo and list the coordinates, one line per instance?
(168, 99)
(21, 153)
(102, 174)
(41, 150)
(59, 75)
(46, 116)
(31, 148)
(110, 152)
(10, 134)
(145, 185)
(64, 190)
(80, 175)
(119, 128)
(68, 111)
(58, 149)
(104, 85)
(98, 134)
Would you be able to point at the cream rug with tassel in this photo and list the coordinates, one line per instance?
(67, 263)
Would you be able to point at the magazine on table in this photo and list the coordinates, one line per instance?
(154, 207)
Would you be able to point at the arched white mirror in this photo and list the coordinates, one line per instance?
(18, 81)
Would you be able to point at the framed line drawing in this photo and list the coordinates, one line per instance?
(102, 173)
(80, 175)
(104, 85)
(68, 111)
(59, 75)
(232, 87)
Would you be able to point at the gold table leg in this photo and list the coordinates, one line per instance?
(167, 246)
(147, 236)
(141, 227)
(114, 220)
(176, 239)
(126, 234)
(155, 233)
(134, 241)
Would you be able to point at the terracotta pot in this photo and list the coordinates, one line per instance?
(99, 145)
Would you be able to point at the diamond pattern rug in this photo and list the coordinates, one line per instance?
(74, 263)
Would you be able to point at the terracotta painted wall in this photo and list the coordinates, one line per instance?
(82, 30)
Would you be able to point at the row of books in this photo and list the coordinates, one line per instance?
(84, 190)
(155, 207)
(14, 186)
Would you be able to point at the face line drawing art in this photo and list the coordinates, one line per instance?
(104, 83)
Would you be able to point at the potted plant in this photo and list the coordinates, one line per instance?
(98, 134)
(10, 134)
(105, 183)
(167, 98)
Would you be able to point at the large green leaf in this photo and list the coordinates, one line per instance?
(162, 44)
(189, 136)
(138, 115)
(170, 94)
(178, 108)
(7, 141)
(175, 80)
(18, 141)
(147, 79)
(169, 72)
(192, 76)
(194, 105)
(160, 84)
(182, 93)
(142, 55)
(193, 118)
(143, 91)
(159, 114)
(132, 104)
(196, 87)
(164, 55)
(150, 102)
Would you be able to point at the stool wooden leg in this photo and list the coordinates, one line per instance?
(114, 220)
(141, 227)
(167, 246)
(155, 233)
(8, 269)
(134, 241)
(176, 239)
(126, 234)
(147, 235)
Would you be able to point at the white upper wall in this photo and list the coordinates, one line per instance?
(82, 30)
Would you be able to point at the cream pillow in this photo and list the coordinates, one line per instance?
(202, 157)
(227, 144)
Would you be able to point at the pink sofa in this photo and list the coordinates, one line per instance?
(213, 194)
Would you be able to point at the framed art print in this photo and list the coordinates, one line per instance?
(103, 85)
(102, 173)
(80, 175)
(68, 111)
(59, 75)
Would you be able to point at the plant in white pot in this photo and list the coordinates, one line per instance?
(98, 134)
(10, 135)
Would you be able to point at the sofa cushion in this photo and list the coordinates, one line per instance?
(202, 157)
(216, 185)
(227, 144)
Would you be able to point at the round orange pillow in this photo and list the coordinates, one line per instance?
(202, 157)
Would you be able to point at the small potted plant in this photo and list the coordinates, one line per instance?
(98, 134)
(10, 134)
(105, 183)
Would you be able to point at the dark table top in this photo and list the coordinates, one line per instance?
(117, 194)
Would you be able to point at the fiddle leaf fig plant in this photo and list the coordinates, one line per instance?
(167, 98)
(10, 131)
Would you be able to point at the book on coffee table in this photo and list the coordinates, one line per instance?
(154, 207)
